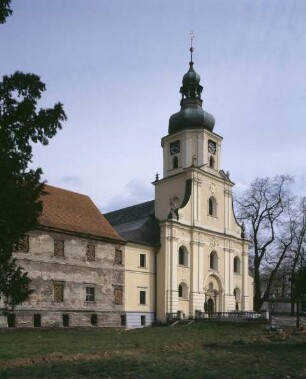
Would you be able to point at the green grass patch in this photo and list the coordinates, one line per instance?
(200, 350)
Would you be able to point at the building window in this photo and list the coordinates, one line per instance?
(118, 257)
(58, 248)
(11, 320)
(66, 319)
(37, 320)
(142, 297)
(123, 320)
(237, 265)
(91, 253)
(211, 162)
(23, 244)
(142, 320)
(58, 292)
(142, 260)
(90, 293)
(183, 291)
(212, 206)
(183, 256)
(118, 295)
(94, 319)
(175, 162)
(213, 260)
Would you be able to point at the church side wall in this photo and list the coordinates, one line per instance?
(140, 276)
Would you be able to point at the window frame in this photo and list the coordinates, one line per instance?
(142, 297)
(212, 207)
(62, 285)
(213, 260)
(90, 294)
(182, 256)
(118, 300)
(142, 260)
(89, 252)
(237, 265)
(57, 248)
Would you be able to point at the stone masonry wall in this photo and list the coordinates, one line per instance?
(73, 270)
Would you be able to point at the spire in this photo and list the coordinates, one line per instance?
(191, 47)
(191, 115)
(191, 87)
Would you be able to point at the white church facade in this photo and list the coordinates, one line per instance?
(186, 252)
(178, 255)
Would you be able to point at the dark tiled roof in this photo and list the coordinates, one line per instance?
(70, 211)
(137, 223)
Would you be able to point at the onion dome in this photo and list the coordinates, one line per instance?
(191, 115)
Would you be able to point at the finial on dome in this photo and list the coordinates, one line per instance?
(191, 47)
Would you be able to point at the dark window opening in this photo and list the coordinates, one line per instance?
(123, 320)
(180, 290)
(211, 162)
(212, 207)
(142, 260)
(37, 320)
(143, 320)
(142, 297)
(11, 320)
(213, 260)
(236, 265)
(94, 319)
(65, 320)
(175, 162)
(182, 256)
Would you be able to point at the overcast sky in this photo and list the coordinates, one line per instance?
(117, 67)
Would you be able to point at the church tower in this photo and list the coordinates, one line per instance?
(202, 264)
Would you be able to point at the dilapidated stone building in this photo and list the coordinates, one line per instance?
(75, 262)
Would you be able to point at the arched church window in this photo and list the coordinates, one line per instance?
(180, 291)
(237, 265)
(183, 291)
(183, 256)
(212, 206)
(211, 162)
(175, 162)
(213, 260)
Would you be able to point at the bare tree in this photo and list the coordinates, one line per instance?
(264, 210)
(297, 258)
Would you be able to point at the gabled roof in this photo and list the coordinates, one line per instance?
(73, 212)
(137, 223)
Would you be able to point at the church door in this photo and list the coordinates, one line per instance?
(210, 305)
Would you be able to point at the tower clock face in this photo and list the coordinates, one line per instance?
(174, 147)
(212, 147)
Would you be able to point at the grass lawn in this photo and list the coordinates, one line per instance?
(199, 350)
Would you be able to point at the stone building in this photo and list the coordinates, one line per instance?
(75, 260)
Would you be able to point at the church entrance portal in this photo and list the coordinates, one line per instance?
(210, 305)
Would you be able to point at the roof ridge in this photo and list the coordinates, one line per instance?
(130, 206)
(64, 189)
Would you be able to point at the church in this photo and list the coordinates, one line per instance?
(175, 257)
(185, 251)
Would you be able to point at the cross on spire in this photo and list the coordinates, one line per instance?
(191, 47)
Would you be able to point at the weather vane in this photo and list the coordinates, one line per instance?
(191, 47)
